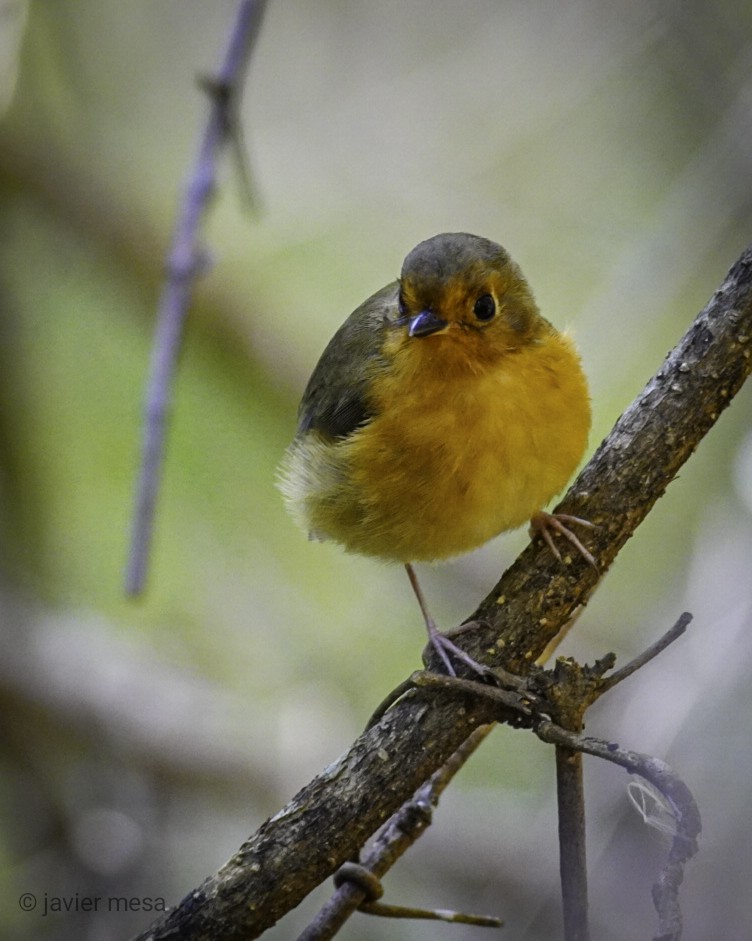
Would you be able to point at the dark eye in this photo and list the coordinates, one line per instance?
(485, 307)
(401, 304)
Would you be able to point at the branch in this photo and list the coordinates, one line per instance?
(674, 633)
(680, 800)
(187, 261)
(331, 818)
(403, 829)
(573, 688)
(554, 707)
(570, 799)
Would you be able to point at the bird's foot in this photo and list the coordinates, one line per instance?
(548, 523)
(444, 647)
(447, 649)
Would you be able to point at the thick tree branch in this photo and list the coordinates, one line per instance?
(332, 817)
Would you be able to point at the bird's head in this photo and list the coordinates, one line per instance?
(462, 299)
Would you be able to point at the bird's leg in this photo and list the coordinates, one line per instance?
(546, 523)
(443, 646)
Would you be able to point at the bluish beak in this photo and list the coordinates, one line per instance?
(425, 323)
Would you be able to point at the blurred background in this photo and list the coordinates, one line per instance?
(609, 148)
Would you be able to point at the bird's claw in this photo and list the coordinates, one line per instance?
(446, 649)
(544, 523)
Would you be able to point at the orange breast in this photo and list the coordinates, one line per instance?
(453, 458)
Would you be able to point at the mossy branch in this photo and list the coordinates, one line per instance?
(331, 818)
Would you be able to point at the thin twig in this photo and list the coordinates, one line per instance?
(399, 833)
(570, 799)
(389, 700)
(679, 798)
(672, 634)
(187, 261)
(436, 914)
(579, 688)
(517, 702)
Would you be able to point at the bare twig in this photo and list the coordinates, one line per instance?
(570, 799)
(435, 914)
(679, 798)
(672, 634)
(509, 703)
(577, 689)
(187, 261)
(401, 831)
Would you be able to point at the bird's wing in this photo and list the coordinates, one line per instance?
(336, 399)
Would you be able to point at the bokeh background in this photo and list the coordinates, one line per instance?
(609, 147)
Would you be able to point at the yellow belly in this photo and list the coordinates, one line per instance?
(451, 462)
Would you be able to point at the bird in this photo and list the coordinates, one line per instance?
(445, 410)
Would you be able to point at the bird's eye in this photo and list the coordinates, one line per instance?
(485, 307)
(401, 304)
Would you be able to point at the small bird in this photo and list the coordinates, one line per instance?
(444, 411)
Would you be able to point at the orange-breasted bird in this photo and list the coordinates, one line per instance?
(444, 411)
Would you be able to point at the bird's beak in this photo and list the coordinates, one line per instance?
(425, 323)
